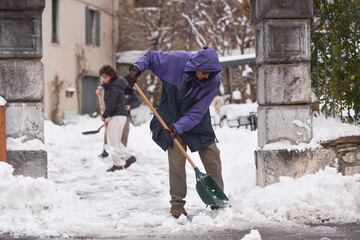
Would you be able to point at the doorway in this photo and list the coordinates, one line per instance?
(89, 103)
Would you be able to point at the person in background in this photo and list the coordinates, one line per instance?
(115, 117)
(190, 81)
(131, 101)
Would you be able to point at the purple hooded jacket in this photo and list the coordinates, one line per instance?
(176, 68)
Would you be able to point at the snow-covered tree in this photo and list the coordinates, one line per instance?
(186, 25)
(222, 25)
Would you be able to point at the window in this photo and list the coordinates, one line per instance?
(92, 27)
(55, 21)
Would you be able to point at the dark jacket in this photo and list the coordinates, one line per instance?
(114, 98)
(174, 103)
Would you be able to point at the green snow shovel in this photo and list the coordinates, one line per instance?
(208, 190)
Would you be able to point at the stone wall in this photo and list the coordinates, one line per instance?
(342, 153)
(348, 152)
(21, 81)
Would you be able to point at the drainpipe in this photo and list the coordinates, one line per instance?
(2, 130)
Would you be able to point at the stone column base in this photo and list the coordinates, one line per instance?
(271, 164)
(28, 163)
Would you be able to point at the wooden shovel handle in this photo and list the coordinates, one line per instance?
(163, 124)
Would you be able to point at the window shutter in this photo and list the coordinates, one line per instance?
(87, 26)
(97, 28)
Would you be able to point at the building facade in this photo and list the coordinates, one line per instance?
(79, 36)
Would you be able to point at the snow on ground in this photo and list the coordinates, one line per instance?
(81, 199)
(253, 235)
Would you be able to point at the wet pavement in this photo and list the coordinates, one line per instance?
(310, 232)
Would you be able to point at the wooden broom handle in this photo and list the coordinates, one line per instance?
(100, 105)
(163, 124)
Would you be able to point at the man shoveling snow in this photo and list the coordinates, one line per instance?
(190, 83)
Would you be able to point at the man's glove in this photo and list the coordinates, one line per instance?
(132, 75)
(171, 133)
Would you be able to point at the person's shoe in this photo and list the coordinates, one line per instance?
(104, 154)
(177, 210)
(115, 168)
(130, 161)
(214, 207)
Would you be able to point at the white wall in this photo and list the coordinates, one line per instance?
(60, 58)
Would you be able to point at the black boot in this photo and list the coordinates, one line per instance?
(213, 207)
(130, 161)
(115, 168)
(104, 154)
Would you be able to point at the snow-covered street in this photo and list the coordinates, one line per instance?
(123, 202)
(82, 199)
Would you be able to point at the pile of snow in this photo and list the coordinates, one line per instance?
(22, 144)
(33, 206)
(326, 196)
(324, 129)
(2, 101)
(253, 235)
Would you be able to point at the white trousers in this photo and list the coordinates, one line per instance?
(118, 152)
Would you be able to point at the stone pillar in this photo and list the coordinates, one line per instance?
(21, 82)
(284, 84)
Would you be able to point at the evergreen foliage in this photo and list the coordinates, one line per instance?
(335, 60)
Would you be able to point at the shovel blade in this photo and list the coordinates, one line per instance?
(93, 132)
(90, 132)
(209, 191)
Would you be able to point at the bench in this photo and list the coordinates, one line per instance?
(248, 120)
